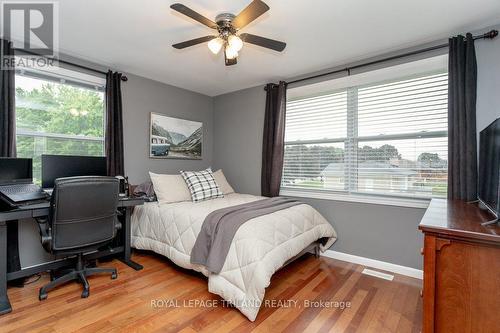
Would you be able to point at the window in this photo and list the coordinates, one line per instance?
(385, 138)
(58, 113)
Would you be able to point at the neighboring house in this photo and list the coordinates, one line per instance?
(372, 176)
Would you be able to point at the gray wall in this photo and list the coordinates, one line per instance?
(488, 81)
(140, 97)
(379, 232)
(238, 127)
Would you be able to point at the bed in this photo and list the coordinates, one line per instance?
(260, 247)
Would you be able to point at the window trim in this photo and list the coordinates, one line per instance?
(374, 199)
(23, 132)
(69, 76)
(350, 195)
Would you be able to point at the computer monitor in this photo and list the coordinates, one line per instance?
(60, 166)
(15, 170)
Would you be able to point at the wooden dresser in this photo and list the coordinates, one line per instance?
(461, 269)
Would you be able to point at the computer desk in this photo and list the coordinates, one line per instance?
(121, 250)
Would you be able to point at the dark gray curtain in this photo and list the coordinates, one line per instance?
(114, 125)
(462, 142)
(7, 95)
(8, 145)
(273, 140)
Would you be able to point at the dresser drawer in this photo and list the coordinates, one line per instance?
(461, 286)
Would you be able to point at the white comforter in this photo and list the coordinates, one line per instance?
(260, 247)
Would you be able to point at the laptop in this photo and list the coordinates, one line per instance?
(16, 182)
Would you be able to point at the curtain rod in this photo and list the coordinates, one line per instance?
(123, 78)
(489, 35)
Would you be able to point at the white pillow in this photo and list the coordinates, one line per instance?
(170, 188)
(221, 180)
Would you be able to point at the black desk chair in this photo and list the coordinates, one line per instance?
(82, 218)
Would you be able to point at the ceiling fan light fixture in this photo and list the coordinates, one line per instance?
(228, 27)
(215, 45)
(235, 42)
(231, 53)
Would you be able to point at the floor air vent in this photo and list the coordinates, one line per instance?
(378, 274)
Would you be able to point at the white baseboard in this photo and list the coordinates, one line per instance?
(386, 266)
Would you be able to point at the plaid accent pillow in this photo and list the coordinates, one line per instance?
(202, 185)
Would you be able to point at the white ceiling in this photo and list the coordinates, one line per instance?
(136, 36)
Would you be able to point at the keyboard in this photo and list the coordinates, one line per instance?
(19, 188)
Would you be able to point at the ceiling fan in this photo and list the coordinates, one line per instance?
(228, 26)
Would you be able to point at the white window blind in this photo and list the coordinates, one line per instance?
(387, 138)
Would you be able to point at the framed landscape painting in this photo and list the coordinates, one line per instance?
(175, 138)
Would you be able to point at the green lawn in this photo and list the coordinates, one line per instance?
(310, 183)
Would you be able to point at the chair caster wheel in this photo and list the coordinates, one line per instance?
(114, 276)
(42, 297)
(85, 294)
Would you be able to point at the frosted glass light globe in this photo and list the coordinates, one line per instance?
(235, 42)
(230, 52)
(215, 45)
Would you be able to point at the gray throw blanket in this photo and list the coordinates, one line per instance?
(218, 230)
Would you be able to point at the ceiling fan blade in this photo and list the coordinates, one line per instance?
(264, 42)
(192, 42)
(253, 10)
(194, 15)
(230, 62)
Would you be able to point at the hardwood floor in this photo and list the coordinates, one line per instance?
(127, 304)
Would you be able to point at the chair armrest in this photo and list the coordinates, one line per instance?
(45, 232)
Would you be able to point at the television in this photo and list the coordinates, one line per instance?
(489, 167)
